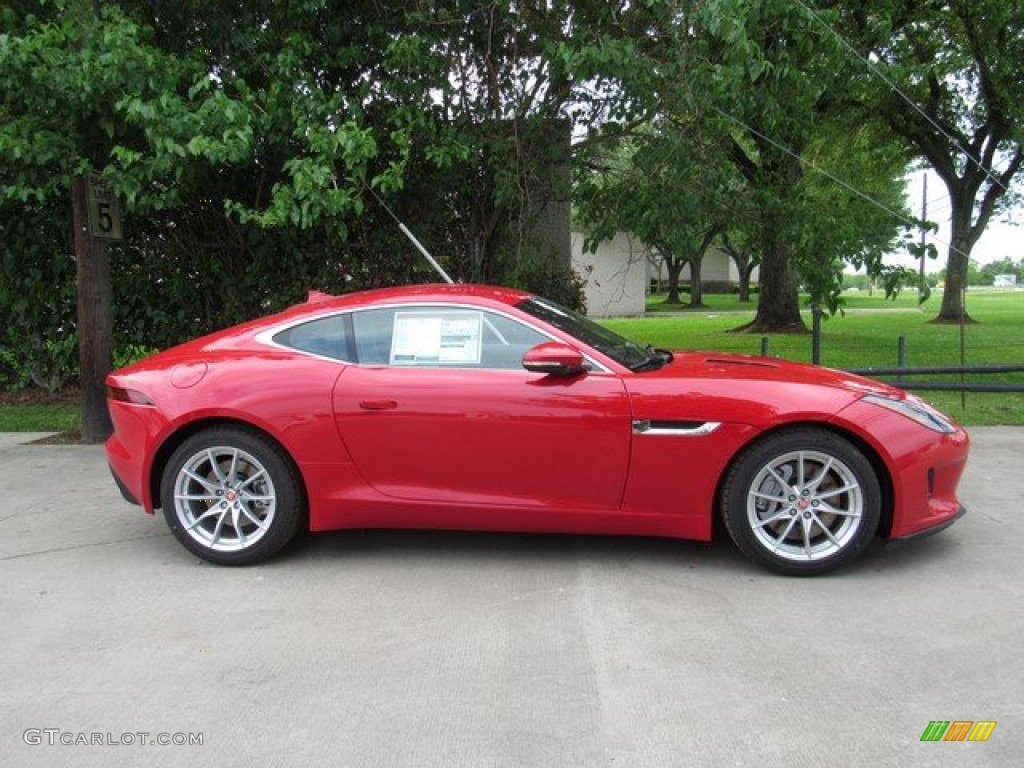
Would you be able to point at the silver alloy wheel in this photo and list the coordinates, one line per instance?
(224, 498)
(805, 506)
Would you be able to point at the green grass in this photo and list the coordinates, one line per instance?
(729, 302)
(61, 417)
(719, 302)
(863, 338)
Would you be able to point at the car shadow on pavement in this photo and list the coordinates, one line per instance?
(479, 548)
(425, 546)
(890, 556)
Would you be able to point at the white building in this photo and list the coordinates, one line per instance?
(620, 272)
(615, 274)
(1005, 281)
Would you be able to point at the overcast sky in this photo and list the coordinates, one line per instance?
(1003, 236)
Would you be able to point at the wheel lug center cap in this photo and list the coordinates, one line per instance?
(803, 503)
(231, 495)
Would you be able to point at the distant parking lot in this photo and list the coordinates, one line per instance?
(446, 649)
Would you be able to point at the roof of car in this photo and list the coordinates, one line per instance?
(424, 292)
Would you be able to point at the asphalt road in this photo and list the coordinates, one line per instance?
(442, 649)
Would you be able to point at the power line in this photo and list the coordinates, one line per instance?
(876, 71)
(693, 185)
(829, 175)
(940, 203)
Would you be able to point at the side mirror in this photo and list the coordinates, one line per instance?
(555, 359)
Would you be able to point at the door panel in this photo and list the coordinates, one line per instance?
(477, 435)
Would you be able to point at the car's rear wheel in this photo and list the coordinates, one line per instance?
(802, 502)
(231, 496)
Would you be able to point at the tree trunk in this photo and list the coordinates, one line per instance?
(675, 268)
(745, 272)
(778, 301)
(958, 256)
(95, 318)
(744, 266)
(696, 284)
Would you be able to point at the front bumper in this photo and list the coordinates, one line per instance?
(961, 511)
(924, 467)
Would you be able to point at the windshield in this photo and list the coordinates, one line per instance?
(619, 349)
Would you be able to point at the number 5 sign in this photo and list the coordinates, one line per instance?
(104, 211)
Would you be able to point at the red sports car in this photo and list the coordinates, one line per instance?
(483, 408)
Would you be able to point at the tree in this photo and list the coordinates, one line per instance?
(760, 75)
(740, 250)
(751, 105)
(766, 85)
(954, 90)
(667, 186)
(162, 112)
(1005, 266)
(65, 71)
(38, 342)
(469, 107)
(740, 236)
(151, 110)
(857, 213)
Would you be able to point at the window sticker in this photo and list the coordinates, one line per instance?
(436, 338)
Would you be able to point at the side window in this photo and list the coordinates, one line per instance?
(372, 331)
(326, 336)
(441, 337)
(505, 341)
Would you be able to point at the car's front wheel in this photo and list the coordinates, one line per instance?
(231, 496)
(802, 502)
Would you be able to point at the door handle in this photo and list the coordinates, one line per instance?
(378, 405)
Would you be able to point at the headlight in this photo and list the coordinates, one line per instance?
(915, 409)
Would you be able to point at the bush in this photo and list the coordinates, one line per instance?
(719, 286)
(38, 342)
(132, 353)
(564, 286)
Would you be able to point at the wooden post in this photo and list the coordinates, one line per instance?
(816, 335)
(901, 357)
(95, 317)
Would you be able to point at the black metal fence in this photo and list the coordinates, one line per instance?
(946, 386)
(902, 370)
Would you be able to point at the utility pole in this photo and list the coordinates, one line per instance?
(924, 217)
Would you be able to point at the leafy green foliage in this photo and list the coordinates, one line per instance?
(245, 140)
(956, 71)
(670, 186)
(755, 137)
(37, 294)
(132, 353)
(1004, 266)
(859, 221)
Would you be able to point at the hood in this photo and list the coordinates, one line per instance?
(716, 365)
(757, 391)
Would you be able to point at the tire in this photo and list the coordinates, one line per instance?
(802, 502)
(232, 496)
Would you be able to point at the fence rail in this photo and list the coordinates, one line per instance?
(901, 369)
(956, 386)
(905, 370)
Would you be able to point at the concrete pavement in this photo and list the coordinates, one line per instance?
(446, 649)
